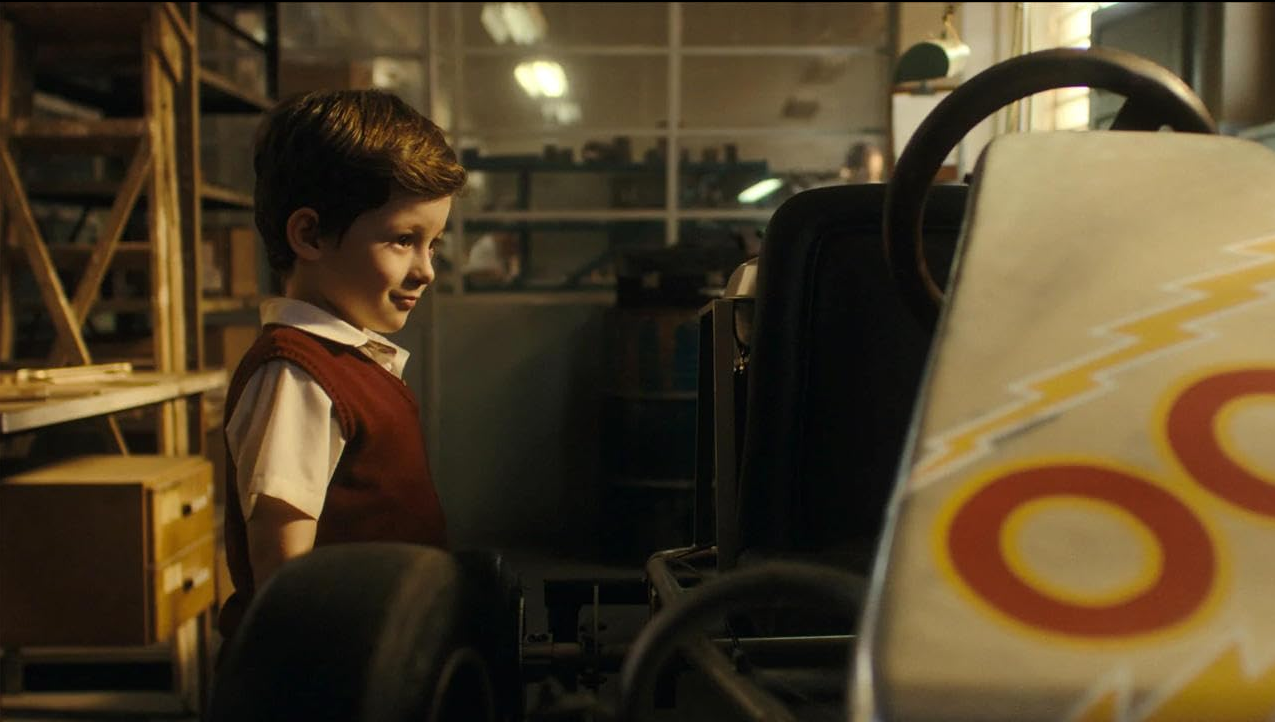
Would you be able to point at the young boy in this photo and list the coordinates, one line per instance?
(323, 438)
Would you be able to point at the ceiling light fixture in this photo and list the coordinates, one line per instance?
(759, 190)
(541, 78)
(522, 23)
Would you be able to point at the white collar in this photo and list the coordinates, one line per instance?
(312, 319)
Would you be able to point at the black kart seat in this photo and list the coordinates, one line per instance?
(836, 361)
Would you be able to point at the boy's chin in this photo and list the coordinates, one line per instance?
(388, 325)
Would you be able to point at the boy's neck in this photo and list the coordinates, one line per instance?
(298, 288)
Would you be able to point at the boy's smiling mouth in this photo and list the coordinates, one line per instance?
(403, 302)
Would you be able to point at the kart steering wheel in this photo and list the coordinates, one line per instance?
(1154, 97)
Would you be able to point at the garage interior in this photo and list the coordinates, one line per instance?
(560, 358)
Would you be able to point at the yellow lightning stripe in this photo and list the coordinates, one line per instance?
(1148, 336)
(1104, 710)
(1223, 691)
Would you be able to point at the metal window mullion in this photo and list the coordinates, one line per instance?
(570, 215)
(355, 52)
(531, 50)
(728, 214)
(797, 51)
(586, 215)
(431, 60)
(458, 107)
(671, 165)
(658, 50)
(707, 132)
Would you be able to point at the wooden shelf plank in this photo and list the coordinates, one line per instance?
(221, 197)
(59, 705)
(219, 94)
(112, 135)
(228, 304)
(139, 389)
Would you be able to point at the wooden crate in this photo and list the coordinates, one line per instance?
(105, 550)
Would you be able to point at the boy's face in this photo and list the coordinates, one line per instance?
(375, 276)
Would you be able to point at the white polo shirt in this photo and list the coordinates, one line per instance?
(283, 435)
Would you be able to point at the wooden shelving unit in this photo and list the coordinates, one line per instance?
(133, 73)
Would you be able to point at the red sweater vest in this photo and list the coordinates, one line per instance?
(382, 489)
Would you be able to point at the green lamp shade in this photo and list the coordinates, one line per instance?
(939, 58)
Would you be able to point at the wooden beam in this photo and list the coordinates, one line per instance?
(169, 44)
(167, 324)
(179, 24)
(104, 250)
(90, 285)
(7, 60)
(7, 318)
(189, 198)
(6, 290)
(46, 277)
(110, 135)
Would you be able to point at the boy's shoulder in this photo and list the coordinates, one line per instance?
(280, 342)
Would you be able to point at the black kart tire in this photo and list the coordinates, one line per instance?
(373, 632)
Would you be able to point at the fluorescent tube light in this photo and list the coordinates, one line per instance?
(759, 190)
(541, 78)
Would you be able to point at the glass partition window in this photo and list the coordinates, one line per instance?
(590, 128)
(355, 45)
(496, 25)
(598, 91)
(558, 255)
(801, 24)
(839, 92)
(376, 26)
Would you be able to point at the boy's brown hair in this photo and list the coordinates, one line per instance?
(342, 153)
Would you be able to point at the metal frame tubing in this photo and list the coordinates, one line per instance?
(676, 627)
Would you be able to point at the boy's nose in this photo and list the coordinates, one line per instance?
(422, 270)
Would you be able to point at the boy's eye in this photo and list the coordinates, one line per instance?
(435, 245)
(403, 240)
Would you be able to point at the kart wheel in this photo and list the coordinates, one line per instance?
(356, 633)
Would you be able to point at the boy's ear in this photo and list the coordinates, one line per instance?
(303, 234)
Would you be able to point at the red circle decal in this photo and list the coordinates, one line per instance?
(1183, 584)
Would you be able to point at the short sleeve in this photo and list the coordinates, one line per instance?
(284, 439)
